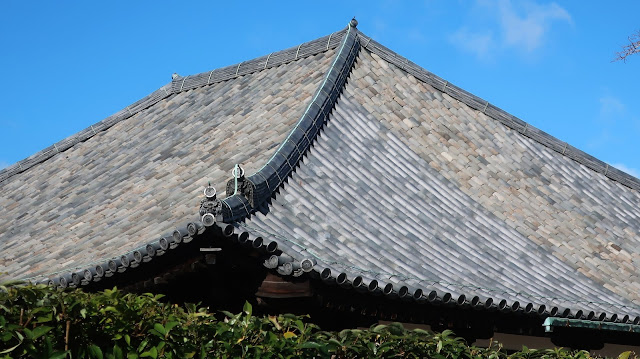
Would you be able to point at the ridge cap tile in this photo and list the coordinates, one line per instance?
(279, 167)
(284, 167)
(305, 75)
(177, 85)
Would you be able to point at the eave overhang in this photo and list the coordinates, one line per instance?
(259, 187)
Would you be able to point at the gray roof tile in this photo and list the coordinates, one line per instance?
(419, 185)
(143, 176)
(412, 181)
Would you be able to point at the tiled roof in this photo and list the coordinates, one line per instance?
(143, 176)
(363, 167)
(409, 186)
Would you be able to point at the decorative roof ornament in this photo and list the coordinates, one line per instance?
(210, 192)
(240, 185)
(210, 207)
(174, 76)
(237, 172)
(353, 22)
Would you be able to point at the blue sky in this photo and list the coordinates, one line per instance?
(70, 64)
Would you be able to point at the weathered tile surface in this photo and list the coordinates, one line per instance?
(407, 184)
(137, 180)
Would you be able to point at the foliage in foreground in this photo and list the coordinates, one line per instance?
(40, 322)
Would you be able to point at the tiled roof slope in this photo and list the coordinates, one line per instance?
(141, 177)
(177, 85)
(262, 184)
(408, 185)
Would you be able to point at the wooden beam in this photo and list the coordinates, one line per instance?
(274, 286)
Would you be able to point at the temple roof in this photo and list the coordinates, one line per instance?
(361, 166)
(142, 175)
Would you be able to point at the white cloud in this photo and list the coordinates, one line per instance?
(523, 27)
(478, 43)
(526, 29)
(632, 171)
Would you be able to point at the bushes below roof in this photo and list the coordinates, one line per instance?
(37, 321)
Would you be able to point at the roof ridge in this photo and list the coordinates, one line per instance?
(325, 98)
(273, 59)
(178, 85)
(261, 185)
(499, 114)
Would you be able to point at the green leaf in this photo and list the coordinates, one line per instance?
(11, 349)
(372, 347)
(160, 329)
(311, 345)
(142, 345)
(624, 355)
(58, 355)
(44, 318)
(40, 331)
(47, 345)
(117, 352)
(247, 308)
(227, 314)
(170, 325)
(385, 348)
(153, 353)
(379, 328)
(396, 329)
(109, 309)
(83, 313)
(95, 351)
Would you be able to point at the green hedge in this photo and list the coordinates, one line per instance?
(40, 322)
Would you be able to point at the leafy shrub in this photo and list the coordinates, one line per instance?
(41, 322)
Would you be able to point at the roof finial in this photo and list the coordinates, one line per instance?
(353, 22)
(174, 76)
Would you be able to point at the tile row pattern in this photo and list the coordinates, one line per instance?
(581, 216)
(409, 190)
(496, 113)
(376, 208)
(132, 183)
(178, 85)
(261, 185)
